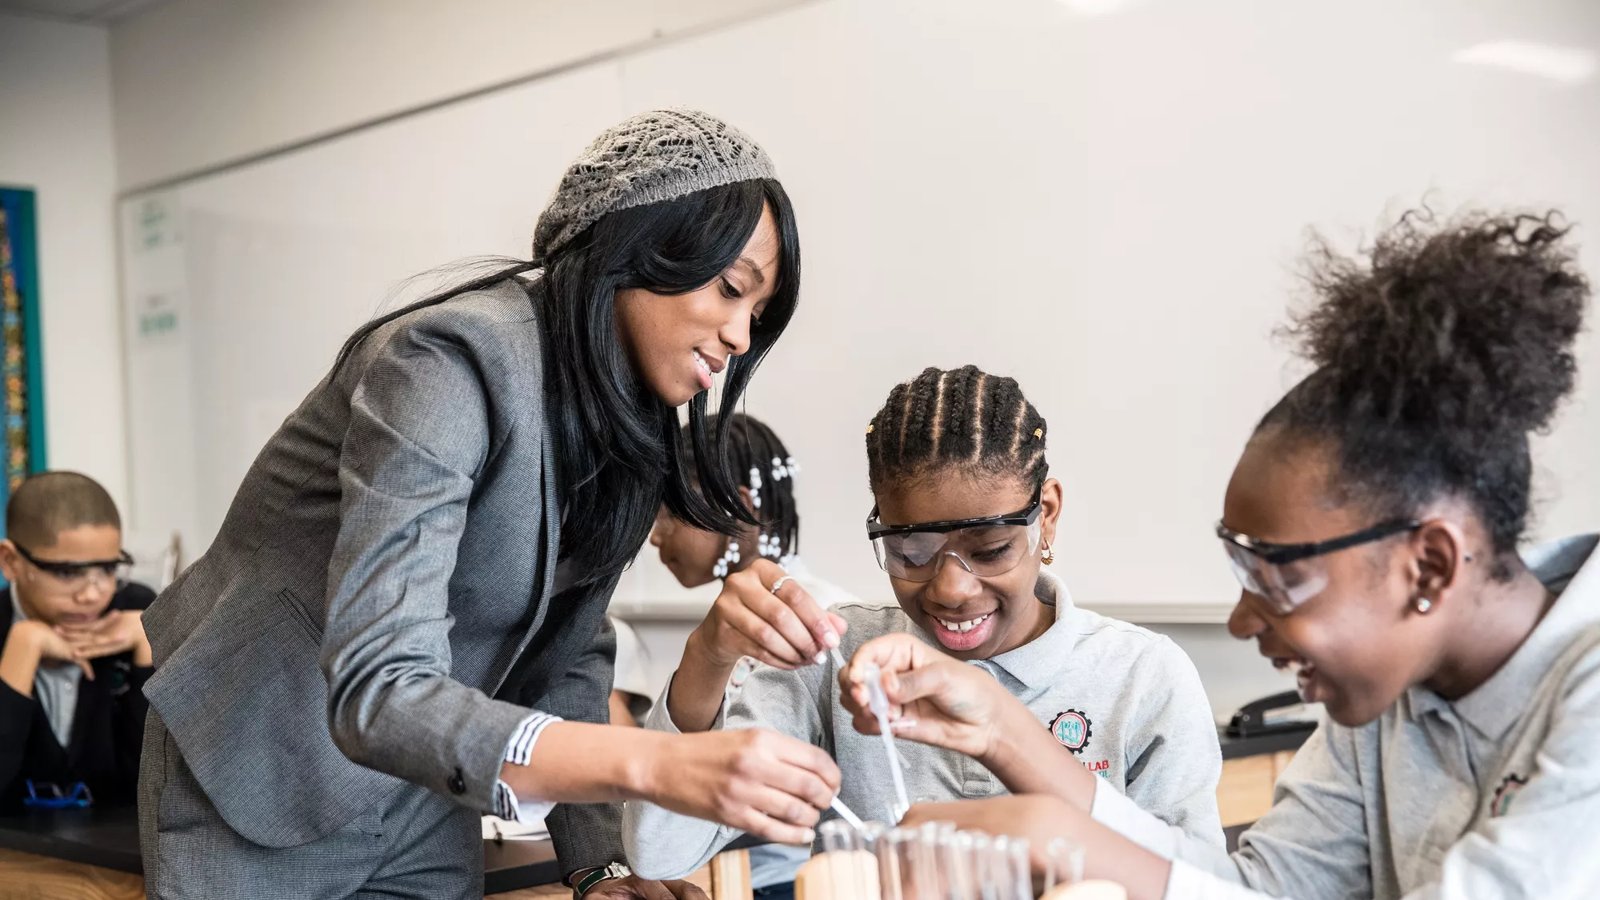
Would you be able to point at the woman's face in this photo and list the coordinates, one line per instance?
(1357, 643)
(1000, 612)
(677, 342)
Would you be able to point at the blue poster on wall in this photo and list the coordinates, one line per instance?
(19, 334)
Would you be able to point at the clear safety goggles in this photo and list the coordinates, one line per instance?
(986, 546)
(1288, 575)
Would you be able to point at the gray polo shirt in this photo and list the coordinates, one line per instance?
(1494, 795)
(1125, 700)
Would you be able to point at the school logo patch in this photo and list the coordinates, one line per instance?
(1072, 729)
(1502, 795)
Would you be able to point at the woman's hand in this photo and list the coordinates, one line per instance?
(755, 780)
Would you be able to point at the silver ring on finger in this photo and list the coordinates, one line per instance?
(780, 583)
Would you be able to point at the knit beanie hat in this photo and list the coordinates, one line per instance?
(656, 156)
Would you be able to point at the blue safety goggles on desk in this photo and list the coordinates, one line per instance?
(46, 795)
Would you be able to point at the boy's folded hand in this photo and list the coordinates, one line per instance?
(118, 631)
(51, 646)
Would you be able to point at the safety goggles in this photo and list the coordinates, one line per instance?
(1288, 575)
(47, 795)
(986, 546)
(76, 575)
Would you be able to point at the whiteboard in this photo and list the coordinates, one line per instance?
(1108, 207)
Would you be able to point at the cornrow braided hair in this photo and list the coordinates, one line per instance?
(963, 418)
(758, 460)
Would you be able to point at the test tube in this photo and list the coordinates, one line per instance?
(871, 833)
(850, 868)
(1063, 863)
(838, 836)
(894, 852)
(983, 869)
(929, 865)
(1012, 873)
(878, 701)
(961, 876)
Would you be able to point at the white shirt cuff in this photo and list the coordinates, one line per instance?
(518, 751)
(1120, 814)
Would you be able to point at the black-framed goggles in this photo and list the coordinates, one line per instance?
(1288, 575)
(986, 546)
(77, 573)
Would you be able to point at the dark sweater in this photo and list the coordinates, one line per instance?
(107, 727)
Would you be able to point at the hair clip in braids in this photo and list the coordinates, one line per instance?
(784, 468)
(770, 546)
(755, 487)
(730, 558)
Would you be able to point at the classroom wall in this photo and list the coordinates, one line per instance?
(1214, 123)
(55, 137)
(201, 82)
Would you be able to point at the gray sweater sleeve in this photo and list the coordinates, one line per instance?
(664, 844)
(1314, 842)
(1311, 844)
(1175, 771)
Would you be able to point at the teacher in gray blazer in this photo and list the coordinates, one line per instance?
(400, 624)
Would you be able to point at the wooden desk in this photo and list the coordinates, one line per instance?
(1250, 769)
(93, 854)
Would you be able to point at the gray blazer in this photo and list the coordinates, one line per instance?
(380, 605)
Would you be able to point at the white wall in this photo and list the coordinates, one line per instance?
(200, 82)
(1186, 149)
(55, 137)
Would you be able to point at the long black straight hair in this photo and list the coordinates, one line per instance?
(619, 454)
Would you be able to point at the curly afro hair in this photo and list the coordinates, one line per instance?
(1437, 351)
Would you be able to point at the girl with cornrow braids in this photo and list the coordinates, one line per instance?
(964, 517)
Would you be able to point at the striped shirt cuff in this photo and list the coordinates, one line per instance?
(518, 751)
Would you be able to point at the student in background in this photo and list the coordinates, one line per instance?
(964, 526)
(1374, 522)
(75, 655)
(765, 471)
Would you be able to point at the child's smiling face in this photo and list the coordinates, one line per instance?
(972, 616)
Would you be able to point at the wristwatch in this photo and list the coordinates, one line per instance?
(595, 876)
